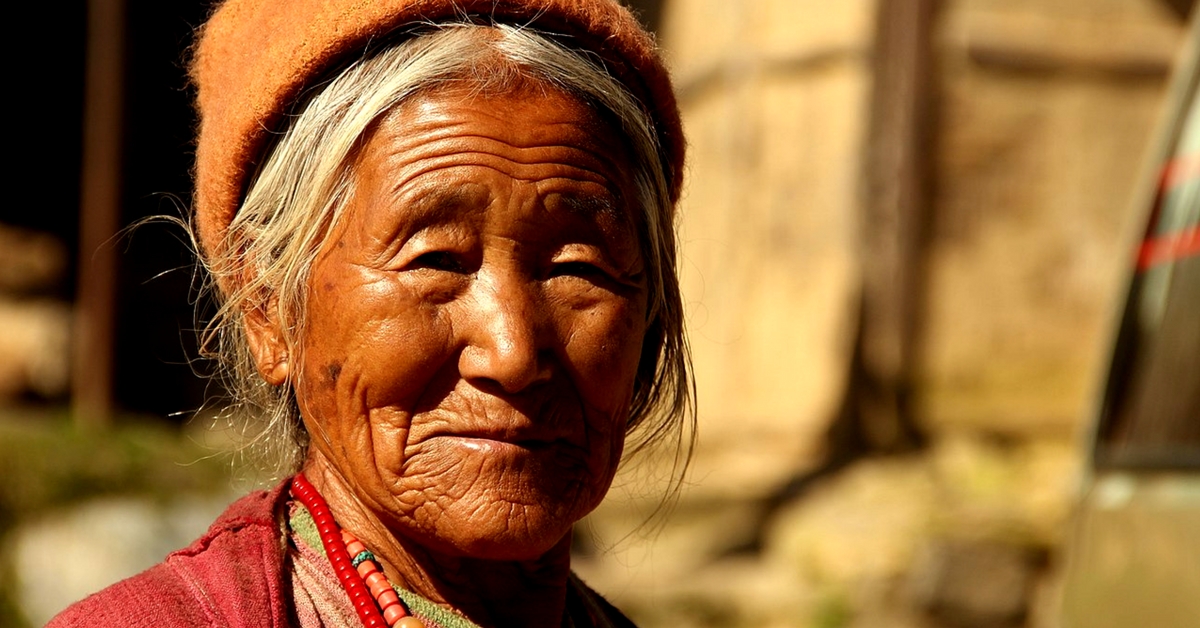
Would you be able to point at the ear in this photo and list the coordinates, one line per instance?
(267, 344)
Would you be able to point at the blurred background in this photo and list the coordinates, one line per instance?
(907, 233)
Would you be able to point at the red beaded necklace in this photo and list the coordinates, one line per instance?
(356, 567)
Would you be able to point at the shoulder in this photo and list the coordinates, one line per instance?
(231, 576)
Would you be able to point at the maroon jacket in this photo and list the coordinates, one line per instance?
(235, 576)
(232, 576)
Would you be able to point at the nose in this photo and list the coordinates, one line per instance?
(504, 336)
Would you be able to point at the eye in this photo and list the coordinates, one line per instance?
(577, 269)
(438, 260)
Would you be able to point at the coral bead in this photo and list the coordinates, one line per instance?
(393, 614)
(380, 587)
(372, 585)
(376, 579)
(387, 598)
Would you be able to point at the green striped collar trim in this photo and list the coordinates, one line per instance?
(303, 525)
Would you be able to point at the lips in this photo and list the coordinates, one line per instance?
(528, 437)
(501, 422)
(495, 447)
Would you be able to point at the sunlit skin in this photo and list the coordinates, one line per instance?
(474, 325)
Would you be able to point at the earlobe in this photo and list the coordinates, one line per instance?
(267, 346)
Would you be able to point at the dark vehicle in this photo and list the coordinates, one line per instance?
(1134, 556)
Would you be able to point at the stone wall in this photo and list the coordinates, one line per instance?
(1042, 112)
(774, 97)
(1045, 113)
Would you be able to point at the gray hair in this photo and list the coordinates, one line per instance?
(300, 190)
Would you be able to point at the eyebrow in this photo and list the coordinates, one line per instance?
(593, 205)
(398, 214)
(436, 203)
(604, 210)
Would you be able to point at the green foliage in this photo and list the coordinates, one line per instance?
(47, 462)
(50, 462)
(832, 611)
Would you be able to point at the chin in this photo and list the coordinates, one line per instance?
(502, 531)
(515, 549)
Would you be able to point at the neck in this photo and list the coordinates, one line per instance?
(488, 592)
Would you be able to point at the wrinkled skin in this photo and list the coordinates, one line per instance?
(473, 331)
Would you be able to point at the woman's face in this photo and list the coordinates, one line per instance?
(475, 321)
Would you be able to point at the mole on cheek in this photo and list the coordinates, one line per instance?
(333, 371)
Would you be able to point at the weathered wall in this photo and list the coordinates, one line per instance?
(1045, 111)
(1041, 113)
(773, 95)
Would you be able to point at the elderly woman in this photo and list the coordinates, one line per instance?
(442, 231)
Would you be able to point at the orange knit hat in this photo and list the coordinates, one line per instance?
(254, 58)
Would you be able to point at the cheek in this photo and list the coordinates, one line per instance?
(369, 343)
(603, 348)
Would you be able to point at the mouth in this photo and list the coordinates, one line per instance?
(506, 427)
(491, 444)
(524, 438)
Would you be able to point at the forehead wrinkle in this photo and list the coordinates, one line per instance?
(432, 203)
(448, 151)
(425, 125)
(429, 117)
(412, 185)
